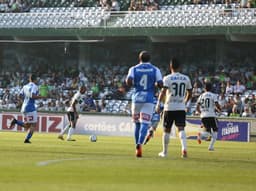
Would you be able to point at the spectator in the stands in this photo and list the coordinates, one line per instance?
(244, 3)
(8, 100)
(223, 103)
(105, 4)
(44, 89)
(151, 5)
(253, 104)
(95, 89)
(196, 91)
(228, 8)
(133, 6)
(237, 106)
(229, 89)
(97, 106)
(136, 5)
(89, 104)
(246, 108)
(239, 88)
(115, 6)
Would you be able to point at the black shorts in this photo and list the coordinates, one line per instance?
(210, 123)
(178, 117)
(71, 116)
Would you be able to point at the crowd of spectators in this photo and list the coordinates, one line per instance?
(235, 86)
(114, 5)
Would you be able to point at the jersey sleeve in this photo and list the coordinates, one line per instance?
(21, 93)
(130, 73)
(166, 81)
(189, 85)
(75, 98)
(159, 77)
(35, 90)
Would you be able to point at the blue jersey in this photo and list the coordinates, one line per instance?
(144, 76)
(28, 102)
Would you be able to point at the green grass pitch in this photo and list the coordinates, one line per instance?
(49, 164)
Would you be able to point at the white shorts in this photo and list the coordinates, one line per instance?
(142, 112)
(30, 117)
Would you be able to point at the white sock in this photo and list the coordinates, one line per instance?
(213, 140)
(70, 132)
(65, 130)
(183, 140)
(165, 142)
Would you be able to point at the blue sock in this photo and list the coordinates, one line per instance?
(143, 132)
(20, 123)
(137, 132)
(29, 135)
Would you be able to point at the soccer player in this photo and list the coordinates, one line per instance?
(177, 90)
(72, 113)
(29, 93)
(207, 104)
(145, 77)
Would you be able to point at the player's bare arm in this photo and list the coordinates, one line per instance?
(129, 82)
(160, 99)
(218, 107)
(188, 96)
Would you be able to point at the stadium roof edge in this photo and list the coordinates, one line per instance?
(99, 33)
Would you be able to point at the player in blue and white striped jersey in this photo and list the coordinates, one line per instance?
(29, 93)
(145, 77)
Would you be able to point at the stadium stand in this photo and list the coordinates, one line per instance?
(179, 15)
(112, 94)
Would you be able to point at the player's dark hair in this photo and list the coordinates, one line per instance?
(175, 63)
(208, 86)
(32, 77)
(144, 56)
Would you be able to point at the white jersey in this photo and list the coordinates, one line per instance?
(78, 98)
(207, 101)
(177, 85)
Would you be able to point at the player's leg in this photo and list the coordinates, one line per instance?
(66, 128)
(205, 132)
(154, 123)
(167, 125)
(180, 122)
(30, 123)
(146, 112)
(30, 132)
(214, 133)
(71, 131)
(18, 122)
(145, 119)
(135, 109)
(151, 130)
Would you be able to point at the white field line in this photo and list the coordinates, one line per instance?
(49, 162)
